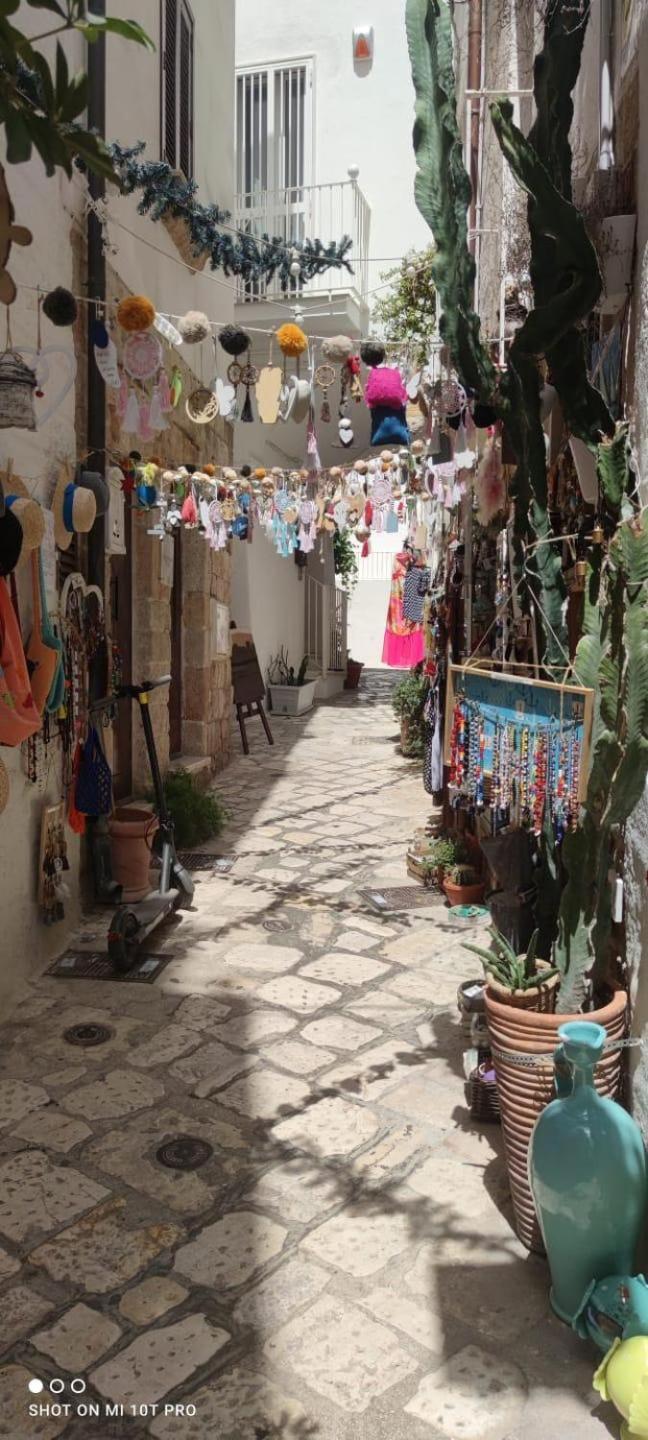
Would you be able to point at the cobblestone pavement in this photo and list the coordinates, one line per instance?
(342, 1265)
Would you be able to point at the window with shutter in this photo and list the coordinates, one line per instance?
(185, 98)
(178, 86)
(169, 77)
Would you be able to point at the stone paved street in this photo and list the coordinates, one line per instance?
(343, 1265)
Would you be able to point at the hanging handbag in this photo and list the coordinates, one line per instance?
(19, 717)
(93, 789)
(50, 638)
(42, 658)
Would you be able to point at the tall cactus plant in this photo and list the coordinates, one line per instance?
(612, 655)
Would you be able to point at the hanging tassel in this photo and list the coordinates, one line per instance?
(156, 417)
(368, 514)
(131, 420)
(325, 412)
(247, 416)
(190, 510)
(144, 428)
(365, 550)
(164, 392)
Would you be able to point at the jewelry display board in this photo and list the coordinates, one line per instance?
(535, 705)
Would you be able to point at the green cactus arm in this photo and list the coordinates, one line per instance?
(574, 261)
(442, 187)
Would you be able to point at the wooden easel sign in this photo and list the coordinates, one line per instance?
(247, 685)
(519, 700)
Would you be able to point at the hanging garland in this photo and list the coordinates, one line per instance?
(263, 257)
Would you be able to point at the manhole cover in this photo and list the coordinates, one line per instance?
(97, 965)
(185, 1152)
(276, 925)
(88, 1035)
(195, 861)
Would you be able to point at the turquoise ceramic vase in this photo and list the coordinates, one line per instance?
(587, 1171)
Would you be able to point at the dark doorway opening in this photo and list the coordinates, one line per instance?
(175, 689)
(121, 609)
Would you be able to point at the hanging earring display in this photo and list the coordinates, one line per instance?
(324, 377)
(249, 377)
(268, 390)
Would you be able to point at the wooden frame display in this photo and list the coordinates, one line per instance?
(526, 701)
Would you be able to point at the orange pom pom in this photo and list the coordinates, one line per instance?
(291, 340)
(136, 312)
(209, 470)
(260, 474)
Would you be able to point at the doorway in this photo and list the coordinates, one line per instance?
(175, 689)
(121, 611)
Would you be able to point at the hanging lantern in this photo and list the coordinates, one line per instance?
(363, 44)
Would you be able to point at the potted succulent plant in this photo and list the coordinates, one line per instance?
(290, 693)
(408, 701)
(462, 885)
(520, 980)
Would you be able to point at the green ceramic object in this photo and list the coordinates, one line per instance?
(587, 1170)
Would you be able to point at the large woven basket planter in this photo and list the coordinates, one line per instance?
(524, 1091)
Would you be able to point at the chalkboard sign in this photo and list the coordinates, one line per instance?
(247, 680)
(518, 699)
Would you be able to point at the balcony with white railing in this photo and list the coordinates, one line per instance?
(299, 212)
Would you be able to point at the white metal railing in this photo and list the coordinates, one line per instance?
(325, 625)
(314, 643)
(338, 630)
(300, 212)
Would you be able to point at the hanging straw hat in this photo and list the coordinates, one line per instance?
(11, 537)
(31, 519)
(75, 510)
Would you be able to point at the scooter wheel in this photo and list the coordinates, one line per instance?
(123, 943)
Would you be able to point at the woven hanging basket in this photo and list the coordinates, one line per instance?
(17, 385)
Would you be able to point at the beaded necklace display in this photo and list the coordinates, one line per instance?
(532, 766)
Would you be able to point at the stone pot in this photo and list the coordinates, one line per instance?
(525, 1091)
(132, 831)
(353, 672)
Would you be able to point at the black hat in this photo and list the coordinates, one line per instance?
(11, 537)
(92, 480)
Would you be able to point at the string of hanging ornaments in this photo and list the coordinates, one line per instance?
(164, 194)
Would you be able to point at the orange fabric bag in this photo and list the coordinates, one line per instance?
(19, 717)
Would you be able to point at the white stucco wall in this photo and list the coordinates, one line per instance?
(268, 599)
(363, 120)
(133, 113)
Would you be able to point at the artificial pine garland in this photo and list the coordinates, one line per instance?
(251, 257)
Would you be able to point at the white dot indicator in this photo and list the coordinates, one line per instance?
(35, 1386)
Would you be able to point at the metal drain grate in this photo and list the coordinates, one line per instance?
(88, 1035)
(195, 861)
(96, 965)
(184, 1152)
(403, 897)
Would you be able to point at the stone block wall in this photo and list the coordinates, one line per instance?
(206, 582)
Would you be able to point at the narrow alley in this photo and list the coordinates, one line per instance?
(332, 1255)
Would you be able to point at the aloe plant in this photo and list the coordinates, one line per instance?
(515, 972)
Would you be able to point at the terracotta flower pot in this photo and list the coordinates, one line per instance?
(464, 894)
(132, 831)
(353, 672)
(524, 1092)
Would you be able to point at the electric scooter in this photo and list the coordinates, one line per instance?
(133, 923)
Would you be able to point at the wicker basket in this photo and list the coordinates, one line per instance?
(483, 1093)
(17, 386)
(176, 226)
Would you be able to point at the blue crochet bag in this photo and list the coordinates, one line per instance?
(93, 794)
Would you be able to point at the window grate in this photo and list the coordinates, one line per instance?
(178, 86)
